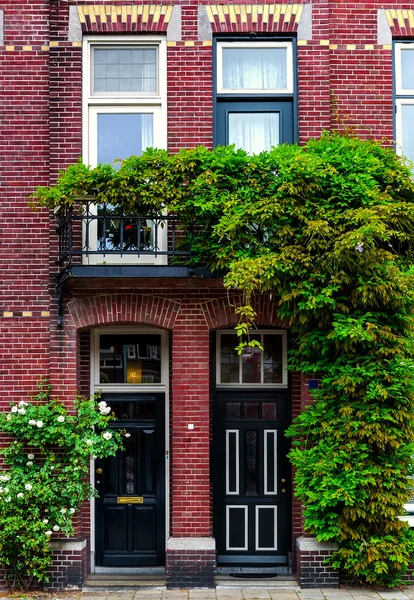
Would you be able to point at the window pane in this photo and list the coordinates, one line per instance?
(251, 462)
(229, 359)
(254, 68)
(233, 410)
(407, 131)
(252, 363)
(122, 135)
(254, 132)
(407, 69)
(251, 410)
(273, 359)
(122, 70)
(130, 358)
(269, 410)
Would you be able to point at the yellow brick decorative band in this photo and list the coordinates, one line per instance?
(236, 15)
(400, 18)
(134, 14)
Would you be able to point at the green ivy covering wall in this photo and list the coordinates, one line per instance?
(328, 228)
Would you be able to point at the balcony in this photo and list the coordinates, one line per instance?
(99, 241)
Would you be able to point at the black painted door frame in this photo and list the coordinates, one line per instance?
(232, 511)
(136, 535)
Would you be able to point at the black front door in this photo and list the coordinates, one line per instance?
(251, 478)
(130, 510)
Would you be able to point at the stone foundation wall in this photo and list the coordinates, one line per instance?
(191, 562)
(69, 558)
(313, 572)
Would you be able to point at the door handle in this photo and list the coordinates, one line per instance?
(99, 471)
(282, 480)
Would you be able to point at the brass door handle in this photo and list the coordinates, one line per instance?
(99, 471)
(283, 480)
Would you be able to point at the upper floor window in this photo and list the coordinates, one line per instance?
(254, 92)
(404, 98)
(124, 97)
(125, 112)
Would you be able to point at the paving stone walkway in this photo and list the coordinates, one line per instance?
(230, 594)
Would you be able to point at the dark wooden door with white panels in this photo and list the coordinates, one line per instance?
(251, 474)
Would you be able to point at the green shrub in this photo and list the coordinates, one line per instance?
(46, 477)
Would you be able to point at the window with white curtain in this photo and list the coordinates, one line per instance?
(404, 99)
(254, 93)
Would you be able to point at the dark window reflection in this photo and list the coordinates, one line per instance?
(134, 411)
(229, 359)
(251, 410)
(269, 410)
(251, 462)
(130, 358)
(233, 410)
(273, 359)
(252, 363)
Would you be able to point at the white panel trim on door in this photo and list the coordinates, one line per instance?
(228, 509)
(267, 491)
(256, 527)
(236, 466)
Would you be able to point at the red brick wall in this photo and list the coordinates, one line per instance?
(344, 80)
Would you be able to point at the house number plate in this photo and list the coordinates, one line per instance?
(130, 500)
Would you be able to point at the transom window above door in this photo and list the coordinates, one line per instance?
(126, 359)
(254, 367)
(255, 89)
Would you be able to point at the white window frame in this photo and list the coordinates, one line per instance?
(399, 91)
(284, 383)
(97, 386)
(251, 45)
(123, 103)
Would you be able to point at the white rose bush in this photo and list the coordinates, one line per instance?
(44, 477)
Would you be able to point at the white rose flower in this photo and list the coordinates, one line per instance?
(28, 486)
(30, 456)
(107, 435)
(89, 442)
(29, 463)
(61, 419)
(63, 511)
(20, 495)
(127, 435)
(8, 499)
(8, 417)
(32, 422)
(102, 404)
(21, 411)
(39, 424)
(4, 477)
(52, 468)
(23, 403)
(45, 521)
(48, 532)
(56, 527)
(14, 409)
(6, 490)
(72, 511)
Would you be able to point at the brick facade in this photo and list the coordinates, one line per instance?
(344, 80)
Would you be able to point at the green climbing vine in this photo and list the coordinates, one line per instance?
(328, 229)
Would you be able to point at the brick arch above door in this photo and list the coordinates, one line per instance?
(117, 309)
(220, 312)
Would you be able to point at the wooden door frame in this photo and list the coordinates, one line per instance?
(164, 388)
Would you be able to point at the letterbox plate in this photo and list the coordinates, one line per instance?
(130, 500)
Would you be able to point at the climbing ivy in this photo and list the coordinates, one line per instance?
(328, 229)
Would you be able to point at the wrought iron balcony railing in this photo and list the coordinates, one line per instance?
(101, 235)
